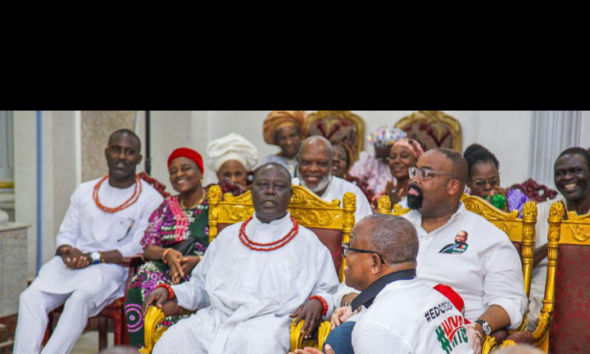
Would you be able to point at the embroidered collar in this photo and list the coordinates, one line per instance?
(367, 297)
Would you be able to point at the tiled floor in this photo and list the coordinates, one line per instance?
(88, 343)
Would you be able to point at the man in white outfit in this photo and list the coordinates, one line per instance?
(104, 223)
(572, 179)
(486, 271)
(400, 313)
(314, 171)
(255, 277)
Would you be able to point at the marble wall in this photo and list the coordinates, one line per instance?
(96, 127)
(13, 262)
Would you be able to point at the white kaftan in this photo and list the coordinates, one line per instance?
(90, 229)
(336, 190)
(85, 291)
(245, 297)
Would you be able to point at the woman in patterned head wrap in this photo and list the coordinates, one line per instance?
(284, 129)
(372, 169)
(232, 158)
(403, 155)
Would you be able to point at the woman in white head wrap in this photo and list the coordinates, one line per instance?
(232, 157)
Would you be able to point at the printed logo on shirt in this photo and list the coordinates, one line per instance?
(438, 310)
(460, 245)
(451, 333)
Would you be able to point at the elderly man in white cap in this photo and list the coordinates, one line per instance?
(232, 157)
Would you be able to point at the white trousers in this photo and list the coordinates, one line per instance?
(207, 332)
(33, 308)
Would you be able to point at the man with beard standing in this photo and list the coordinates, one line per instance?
(572, 177)
(314, 171)
(487, 273)
(104, 223)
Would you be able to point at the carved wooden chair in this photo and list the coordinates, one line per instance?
(535, 191)
(520, 231)
(433, 129)
(341, 127)
(331, 222)
(565, 317)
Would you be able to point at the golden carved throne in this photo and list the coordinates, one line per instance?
(432, 129)
(520, 231)
(565, 317)
(330, 221)
(340, 127)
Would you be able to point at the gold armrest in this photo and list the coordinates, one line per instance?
(488, 345)
(541, 333)
(152, 319)
(296, 335)
(508, 343)
(298, 342)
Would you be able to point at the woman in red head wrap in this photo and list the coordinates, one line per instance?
(174, 241)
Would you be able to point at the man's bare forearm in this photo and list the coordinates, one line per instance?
(496, 317)
(348, 298)
(114, 257)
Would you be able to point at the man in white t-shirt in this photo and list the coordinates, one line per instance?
(400, 313)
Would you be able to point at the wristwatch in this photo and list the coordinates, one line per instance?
(95, 256)
(485, 327)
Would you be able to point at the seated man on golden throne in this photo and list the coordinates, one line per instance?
(255, 277)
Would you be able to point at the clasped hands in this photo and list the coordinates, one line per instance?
(74, 258)
(180, 265)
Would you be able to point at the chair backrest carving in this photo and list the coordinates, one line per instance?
(160, 187)
(341, 127)
(330, 221)
(535, 191)
(433, 129)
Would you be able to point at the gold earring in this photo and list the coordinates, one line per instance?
(201, 181)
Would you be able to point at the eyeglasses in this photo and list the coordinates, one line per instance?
(346, 248)
(482, 182)
(426, 174)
